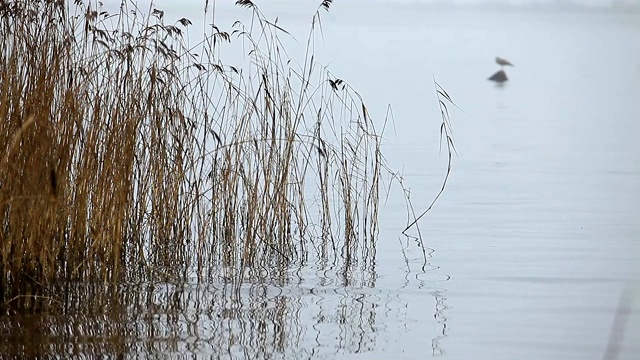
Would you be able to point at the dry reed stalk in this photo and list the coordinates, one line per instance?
(129, 155)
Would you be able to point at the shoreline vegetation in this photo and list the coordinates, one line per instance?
(130, 156)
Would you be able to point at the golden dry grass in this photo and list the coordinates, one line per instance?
(125, 154)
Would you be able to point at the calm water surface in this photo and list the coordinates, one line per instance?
(529, 250)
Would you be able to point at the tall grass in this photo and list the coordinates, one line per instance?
(126, 153)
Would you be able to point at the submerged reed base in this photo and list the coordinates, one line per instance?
(126, 155)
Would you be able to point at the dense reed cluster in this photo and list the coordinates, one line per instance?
(127, 153)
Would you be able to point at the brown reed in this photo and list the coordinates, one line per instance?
(127, 154)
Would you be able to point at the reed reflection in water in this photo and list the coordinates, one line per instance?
(313, 315)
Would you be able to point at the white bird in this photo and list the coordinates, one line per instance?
(503, 62)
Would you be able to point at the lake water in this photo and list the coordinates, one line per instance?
(529, 250)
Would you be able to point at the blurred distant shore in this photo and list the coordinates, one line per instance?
(625, 7)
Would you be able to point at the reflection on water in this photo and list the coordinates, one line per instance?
(532, 242)
(263, 321)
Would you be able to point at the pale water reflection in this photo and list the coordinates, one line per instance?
(529, 249)
(297, 320)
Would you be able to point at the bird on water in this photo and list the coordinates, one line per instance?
(503, 62)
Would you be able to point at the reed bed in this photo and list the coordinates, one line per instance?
(127, 153)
